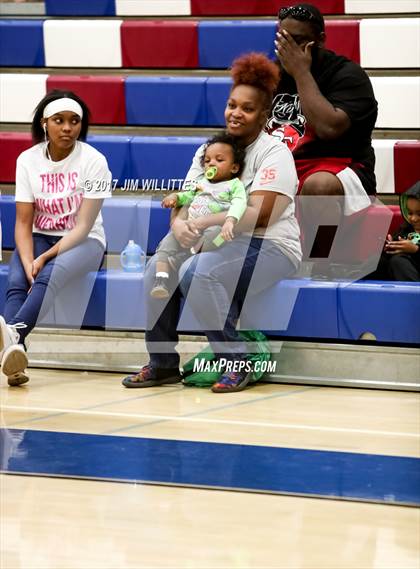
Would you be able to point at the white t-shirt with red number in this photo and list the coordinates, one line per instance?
(57, 189)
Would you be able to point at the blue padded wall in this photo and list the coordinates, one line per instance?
(217, 93)
(160, 159)
(4, 271)
(169, 101)
(152, 223)
(80, 8)
(120, 223)
(219, 43)
(116, 150)
(22, 43)
(389, 310)
(117, 301)
(314, 312)
(8, 217)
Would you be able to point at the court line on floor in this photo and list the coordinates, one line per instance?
(163, 392)
(215, 409)
(218, 421)
(228, 466)
(114, 402)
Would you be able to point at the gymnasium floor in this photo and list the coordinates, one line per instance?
(177, 477)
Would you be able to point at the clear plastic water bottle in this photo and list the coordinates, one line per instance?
(133, 258)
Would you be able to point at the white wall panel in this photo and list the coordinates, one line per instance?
(153, 8)
(381, 6)
(384, 165)
(82, 43)
(399, 101)
(19, 95)
(387, 43)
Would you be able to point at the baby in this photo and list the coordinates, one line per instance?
(218, 190)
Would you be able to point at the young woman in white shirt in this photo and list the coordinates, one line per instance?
(60, 185)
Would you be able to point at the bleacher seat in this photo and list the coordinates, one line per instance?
(155, 8)
(324, 310)
(397, 218)
(80, 8)
(176, 101)
(22, 43)
(4, 271)
(256, 7)
(343, 38)
(361, 236)
(88, 43)
(339, 310)
(406, 164)
(217, 93)
(221, 41)
(397, 165)
(313, 303)
(189, 44)
(156, 43)
(388, 310)
(145, 221)
(234, 7)
(11, 145)
(19, 95)
(161, 159)
(384, 165)
(120, 223)
(186, 101)
(118, 303)
(381, 7)
(8, 217)
(376, 48)
(398, 102)
(116, 149)
(217, 7)
(152, 223)
(97, 91)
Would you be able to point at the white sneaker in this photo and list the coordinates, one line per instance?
(14, 363)
(12, 354)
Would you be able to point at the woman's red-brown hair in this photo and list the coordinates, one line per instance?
(257, 70)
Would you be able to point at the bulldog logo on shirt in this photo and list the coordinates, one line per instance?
(286, 122)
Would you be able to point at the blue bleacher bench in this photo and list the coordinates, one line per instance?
(22, 43)
(294, 308)
(116, 149)
(176, 101)
(220, 42)
(157, 161)
(80, 8)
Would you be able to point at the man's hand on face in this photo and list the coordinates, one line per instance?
(294, 58)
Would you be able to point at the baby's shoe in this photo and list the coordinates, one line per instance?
(160, 288)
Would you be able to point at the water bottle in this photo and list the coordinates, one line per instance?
(133, 258)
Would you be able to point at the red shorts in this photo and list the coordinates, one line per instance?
(307, 166)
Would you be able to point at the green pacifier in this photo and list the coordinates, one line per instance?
(211, 172)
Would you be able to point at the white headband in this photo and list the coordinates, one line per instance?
(64, 104)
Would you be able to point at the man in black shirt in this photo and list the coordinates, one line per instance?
(325, 111)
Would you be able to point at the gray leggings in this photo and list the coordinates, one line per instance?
(170, 251)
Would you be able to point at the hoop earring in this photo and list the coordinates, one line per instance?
(44, 126)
